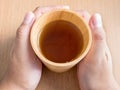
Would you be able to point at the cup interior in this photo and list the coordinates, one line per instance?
(61, 41)
(60, 15)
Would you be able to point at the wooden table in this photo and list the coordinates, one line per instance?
(13, 11)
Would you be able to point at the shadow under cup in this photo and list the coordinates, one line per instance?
(60, 38)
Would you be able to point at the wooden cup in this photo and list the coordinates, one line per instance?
(68, 16)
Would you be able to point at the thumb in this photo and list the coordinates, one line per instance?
(23, 31)
(99, 40)
(97, 27)
(99, 37)
(22, 43)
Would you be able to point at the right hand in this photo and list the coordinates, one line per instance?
(95, 70)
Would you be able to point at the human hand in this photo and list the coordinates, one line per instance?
(95, 70)
(25, 69)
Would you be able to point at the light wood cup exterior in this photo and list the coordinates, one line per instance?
(66, 15)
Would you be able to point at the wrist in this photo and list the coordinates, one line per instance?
(8, 84)
(105, 85)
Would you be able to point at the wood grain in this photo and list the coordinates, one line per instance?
(12, 13)
(65, 15)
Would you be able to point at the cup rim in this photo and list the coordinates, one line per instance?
(70, 62)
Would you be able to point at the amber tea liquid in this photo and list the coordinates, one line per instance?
(61, 41)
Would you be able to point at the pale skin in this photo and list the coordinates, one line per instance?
(25, 69)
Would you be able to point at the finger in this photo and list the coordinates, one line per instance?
(97, 27)
(85, 14)
(41, 10)
(22, 48)
(99, 47)
(22, 34)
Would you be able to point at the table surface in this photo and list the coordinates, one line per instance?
(12, 13)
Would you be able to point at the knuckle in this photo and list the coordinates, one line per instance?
(99, 35)
(20, 31)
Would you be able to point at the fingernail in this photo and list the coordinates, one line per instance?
(28, 18)
(66, 7)
(97, 21)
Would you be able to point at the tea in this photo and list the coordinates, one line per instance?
(61, 41)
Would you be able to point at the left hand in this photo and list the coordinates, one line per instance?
(25, 69)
